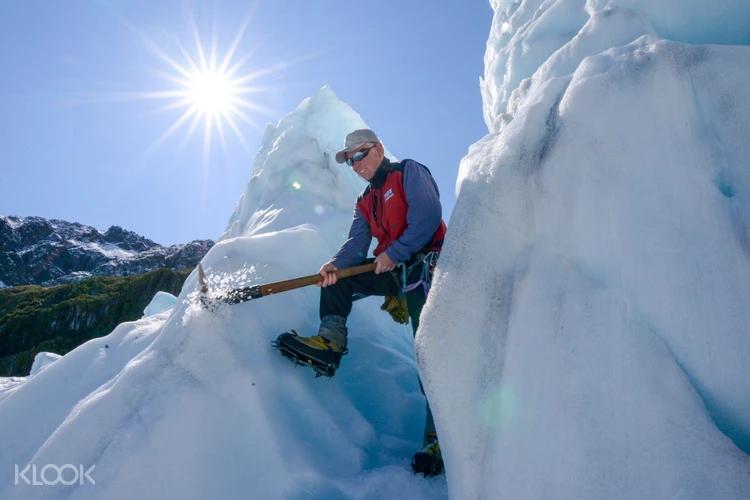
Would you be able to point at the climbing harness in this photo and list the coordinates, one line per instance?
(429, 260)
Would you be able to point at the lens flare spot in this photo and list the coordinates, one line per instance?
(297, 185)
(319, 209)
(501, 409)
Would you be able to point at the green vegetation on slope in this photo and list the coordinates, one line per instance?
(60, 318)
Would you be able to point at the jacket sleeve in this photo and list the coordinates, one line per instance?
(423, 216)
(354, 250)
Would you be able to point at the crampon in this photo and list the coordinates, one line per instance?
(428, 461)
(325, 362)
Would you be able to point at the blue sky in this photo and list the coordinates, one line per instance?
(74, 146)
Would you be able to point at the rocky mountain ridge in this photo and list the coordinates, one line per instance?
(49, 252)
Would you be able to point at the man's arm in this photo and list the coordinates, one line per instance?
(423, 216)
(354, 250)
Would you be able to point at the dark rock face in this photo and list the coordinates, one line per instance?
(37, 251)
(128, 240)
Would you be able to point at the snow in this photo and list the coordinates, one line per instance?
(7, 383)
(3, 285)
(13, 222)
(42, 360)
(586, 336)
(107, 249)
(552, 37)
(160, 303)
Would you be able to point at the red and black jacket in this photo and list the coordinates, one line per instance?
(392, 201)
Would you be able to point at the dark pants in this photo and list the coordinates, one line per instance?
(337, 299)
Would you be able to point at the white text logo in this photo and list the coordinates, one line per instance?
(51, 475)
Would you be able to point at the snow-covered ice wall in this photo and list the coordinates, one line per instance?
(588, 334)
(532, 41)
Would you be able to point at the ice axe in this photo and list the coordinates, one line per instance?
(257, 291)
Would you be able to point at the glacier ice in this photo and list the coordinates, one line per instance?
(587, 332)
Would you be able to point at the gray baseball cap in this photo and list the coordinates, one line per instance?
(354, 140)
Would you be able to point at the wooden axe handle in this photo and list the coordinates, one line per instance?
(283, 286)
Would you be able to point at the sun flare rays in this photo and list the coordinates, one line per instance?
(210, 91)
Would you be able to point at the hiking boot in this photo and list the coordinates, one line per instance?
(428, 460)
(321, 354)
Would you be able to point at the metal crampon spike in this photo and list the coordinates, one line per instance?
(321, 369)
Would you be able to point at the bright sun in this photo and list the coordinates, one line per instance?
(209, 90)
(211, 93)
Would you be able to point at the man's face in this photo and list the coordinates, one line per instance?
(367, 167)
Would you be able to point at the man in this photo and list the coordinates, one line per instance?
(401, 208)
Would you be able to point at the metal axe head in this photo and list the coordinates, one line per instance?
(202, 279)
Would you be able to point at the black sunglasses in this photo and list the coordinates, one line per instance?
(359, 156)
